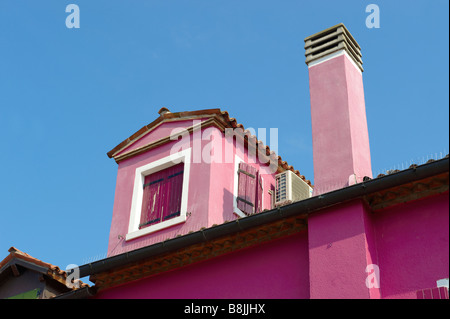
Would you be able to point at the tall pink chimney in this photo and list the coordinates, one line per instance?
(341, 149)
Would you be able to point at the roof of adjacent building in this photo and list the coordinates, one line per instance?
(217, 117)
(17, 257)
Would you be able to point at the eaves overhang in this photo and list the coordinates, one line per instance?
(261, 227)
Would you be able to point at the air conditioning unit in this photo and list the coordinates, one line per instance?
(290, 188)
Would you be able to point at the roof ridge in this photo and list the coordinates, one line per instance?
(269, 152)
(165, 114)
(53, 270)
(414, 165)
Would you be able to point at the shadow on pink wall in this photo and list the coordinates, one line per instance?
(278, 270)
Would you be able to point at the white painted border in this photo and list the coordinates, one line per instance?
(236, 210)
(332, 56)
(443, 283)
(263, 195)
(136, 202)
(272, 198)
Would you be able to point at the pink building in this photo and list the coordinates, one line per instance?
(210, 226)
(203, 210)
(189, 171)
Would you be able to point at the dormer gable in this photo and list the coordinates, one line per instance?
(182, 173)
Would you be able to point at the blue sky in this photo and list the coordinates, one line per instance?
(68, 96)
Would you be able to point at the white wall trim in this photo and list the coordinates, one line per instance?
(136, 202)
(236, 210)
(443, 283)
(332, 56)
(263, 194)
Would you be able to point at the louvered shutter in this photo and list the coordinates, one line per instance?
(162, 196)
(152, 200)
(247, 183)
(433, 293)
(174, 187)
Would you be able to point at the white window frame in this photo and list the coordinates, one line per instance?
(263, 195)
(443, 283)
(236, 210)
(138, 192)
(272, 198)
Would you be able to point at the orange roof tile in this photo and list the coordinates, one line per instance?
(52, 271)
(230, 122)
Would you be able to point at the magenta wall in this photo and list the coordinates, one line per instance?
(340, 248)
(409, 243)
(277, 270)
(413, 246)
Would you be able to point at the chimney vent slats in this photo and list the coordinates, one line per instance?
(332, 40)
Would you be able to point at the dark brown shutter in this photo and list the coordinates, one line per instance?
(246, 200)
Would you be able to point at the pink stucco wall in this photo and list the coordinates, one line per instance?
(211, 184)
(278, 269)
(339, 252)
(161, 131)
(339, 125)
(413, 246)
(198, 188)
(408, 242)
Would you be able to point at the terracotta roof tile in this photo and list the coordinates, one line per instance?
(165, 114)
(411, 166)
(53, 271)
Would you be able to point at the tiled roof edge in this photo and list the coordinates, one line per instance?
(165, 114)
